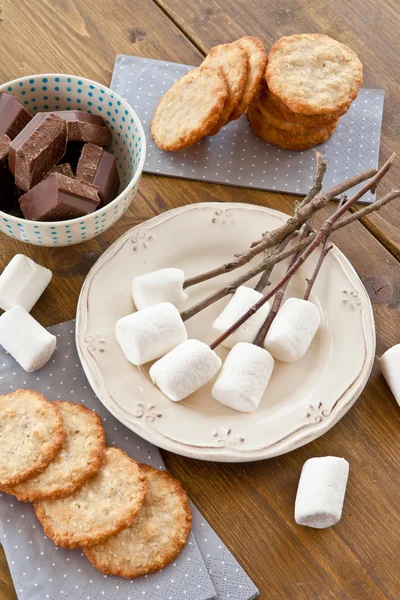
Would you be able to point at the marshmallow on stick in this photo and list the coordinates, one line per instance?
(22, 283)
(243, 299)
(185, 369)
(390, 367)
(244, 377)
(321, 491)
(163, 285)
(293, 330)
(30, 344)
(150, 333)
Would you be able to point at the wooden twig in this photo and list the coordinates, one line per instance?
(273, 238)
(320, 170)
(262, 332)
(273, 259)
(264, 279)
(326, 248)
(319, 238)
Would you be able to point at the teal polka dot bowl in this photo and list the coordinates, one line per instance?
(67, 92)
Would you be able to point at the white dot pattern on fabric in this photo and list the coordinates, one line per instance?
(143, 81)
(42, 570)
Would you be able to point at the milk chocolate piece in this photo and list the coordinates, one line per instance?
(57, 198)
(64, 169)
(85, 127)
(37, 149)
(7, 186)
(99, 168)
(13, 116)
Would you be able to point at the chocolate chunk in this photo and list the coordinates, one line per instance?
(4, 150)
(57, 198)
(8, 195)
(99, 168)
(85, 127)
(13, 116)
(64, 169)
(37, 149)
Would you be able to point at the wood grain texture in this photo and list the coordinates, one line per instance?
(372, 32)
(250, 506)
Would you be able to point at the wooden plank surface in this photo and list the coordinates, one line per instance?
(251, 505)
(371, 30)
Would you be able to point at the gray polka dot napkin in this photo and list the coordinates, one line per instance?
(205, 569)
(236, 156)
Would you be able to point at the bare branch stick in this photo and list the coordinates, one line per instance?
(273, 238)
(264, 279)
(319, 238)
(320, 170)
(260, 337)
(310, 282)
(272, 259)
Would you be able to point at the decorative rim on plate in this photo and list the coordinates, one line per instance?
(222, 443)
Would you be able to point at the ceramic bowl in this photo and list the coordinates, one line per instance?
(68, 92)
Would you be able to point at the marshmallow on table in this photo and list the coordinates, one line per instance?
(185, 369)
(243, 299)
(164, 285)
(244, 377)
(321, 491)
(30, 344)
(293, 330)
(390, 367)
(22, 283)
(150, 333)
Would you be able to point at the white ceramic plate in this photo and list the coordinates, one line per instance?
(303, 400)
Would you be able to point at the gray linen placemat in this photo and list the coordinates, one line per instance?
(236, 156)
(41, 571)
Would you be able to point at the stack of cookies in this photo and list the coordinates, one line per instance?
(207, 98)
(130, 519)
(293, 99)
(310, 81)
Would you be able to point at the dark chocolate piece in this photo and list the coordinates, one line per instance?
(37, 149)
(57, 198)
(64, 169)
(7, 187)
(13, 116)
(100, 169)
(85, 127)
(4, 150)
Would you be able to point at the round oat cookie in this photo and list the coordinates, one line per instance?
(279, 112)
(190, 109)
(255, 76)
(156, 536)
(102, 507)
(285, 139)
(273, 118)
(31, 434)
(78, 460)
(313, 74)
(233, 62)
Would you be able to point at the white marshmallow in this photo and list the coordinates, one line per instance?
(321, 491)
(390, 367)
(293, 330)
(164, 285)
(150, 333)
(30, 344)
(185, 369)
(22, 283)
(244, 377)
(243, 299)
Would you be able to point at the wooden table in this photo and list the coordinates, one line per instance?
(250, 505)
